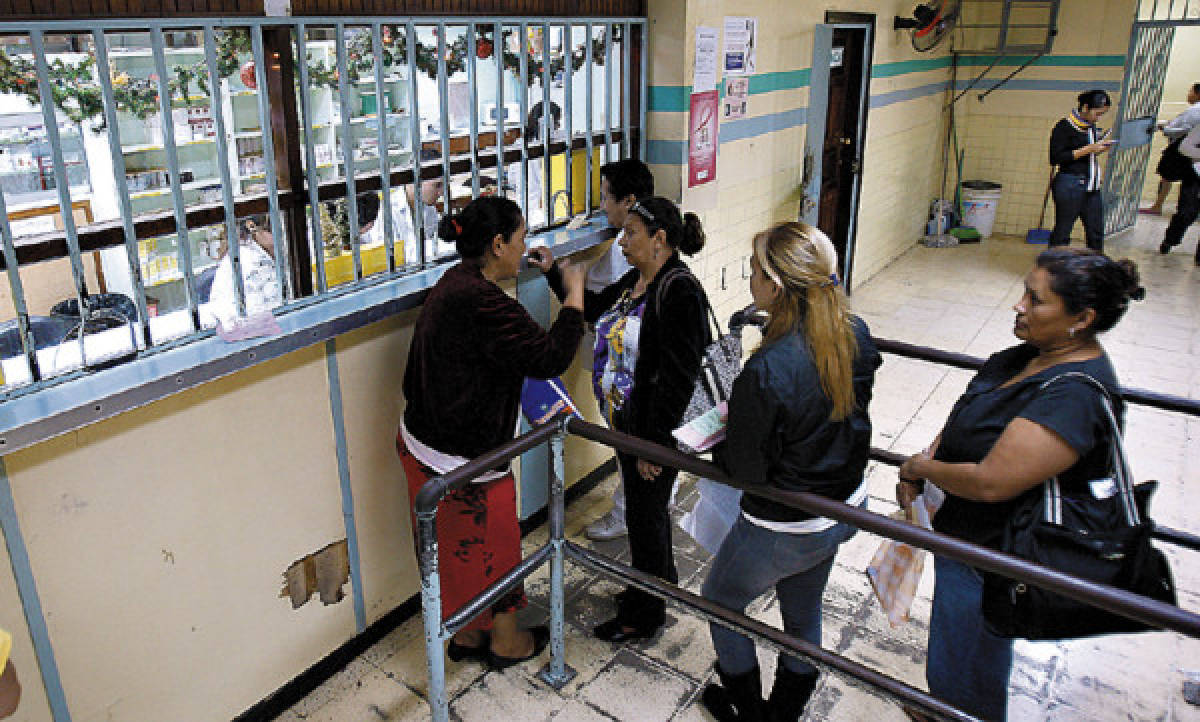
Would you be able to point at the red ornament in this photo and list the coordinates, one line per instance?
(483, 49)
(247, 75)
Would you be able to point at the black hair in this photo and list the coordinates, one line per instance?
(1094, 99)
(261, 221)
(628, 177)
(1196, 88)
(1085, 279)
(367, 206)
(475, 226)
(533, 122)
(684, 233)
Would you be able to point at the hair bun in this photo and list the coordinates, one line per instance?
(693, 234)
(1133, 280)
(450, 227)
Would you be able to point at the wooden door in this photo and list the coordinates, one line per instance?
(840, 154)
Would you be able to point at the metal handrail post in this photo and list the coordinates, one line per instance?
(556, 673)
(431, 609)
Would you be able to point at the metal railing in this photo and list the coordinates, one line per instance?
(144, 69)
(557, 549)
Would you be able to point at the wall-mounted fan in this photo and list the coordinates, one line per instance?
(930, 22)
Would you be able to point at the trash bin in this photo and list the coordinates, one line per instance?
(105, 311)
(980, 199)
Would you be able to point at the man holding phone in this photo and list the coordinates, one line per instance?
(1075, 144)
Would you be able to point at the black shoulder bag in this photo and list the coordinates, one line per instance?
(1101, 537)
(720, 364)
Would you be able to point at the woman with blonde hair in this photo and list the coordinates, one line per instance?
(797, 422)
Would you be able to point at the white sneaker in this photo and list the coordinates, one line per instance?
(606, 528)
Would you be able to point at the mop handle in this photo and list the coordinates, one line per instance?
(1046, 198)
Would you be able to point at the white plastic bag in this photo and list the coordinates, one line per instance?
(713, 516)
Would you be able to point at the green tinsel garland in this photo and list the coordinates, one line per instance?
(77, 95)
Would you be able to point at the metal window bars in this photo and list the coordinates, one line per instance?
(187, 201)
(557, 549)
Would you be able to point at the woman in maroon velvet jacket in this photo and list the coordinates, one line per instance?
(472, 347)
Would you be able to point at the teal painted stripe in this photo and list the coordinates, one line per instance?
(666, 152)
(1077, 61)
(674, 98)
(904, 67)
(35, 618)
(787, 80)
(668, 98)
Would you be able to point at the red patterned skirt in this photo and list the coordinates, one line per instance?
(478, 538)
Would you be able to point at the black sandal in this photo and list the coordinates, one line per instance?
(458, 652)
(541, 637)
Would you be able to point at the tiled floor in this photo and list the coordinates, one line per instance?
(957, 299)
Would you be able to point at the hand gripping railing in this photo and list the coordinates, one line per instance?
(557, 673)
(1142, 397)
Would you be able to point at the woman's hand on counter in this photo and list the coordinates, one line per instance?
(541, 258)
(573, 275)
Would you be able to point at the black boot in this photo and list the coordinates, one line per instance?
(737, 699)
(789, 694)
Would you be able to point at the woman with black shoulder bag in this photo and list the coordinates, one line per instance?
(1036, 411)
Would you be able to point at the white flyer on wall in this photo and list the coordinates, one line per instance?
(704, 75)
(736, 92)
(741, 40)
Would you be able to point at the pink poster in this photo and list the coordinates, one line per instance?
(702, 138)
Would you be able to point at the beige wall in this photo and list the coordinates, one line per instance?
(1006, 136)
(158, 539)
(758, 178)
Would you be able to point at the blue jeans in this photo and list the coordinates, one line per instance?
(967, 666)
(751, 561)
(1072, 200)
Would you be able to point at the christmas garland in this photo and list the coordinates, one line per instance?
(75, 92)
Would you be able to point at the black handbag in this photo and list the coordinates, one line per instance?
(1102, 537)
(719, 366)
(1173, 165)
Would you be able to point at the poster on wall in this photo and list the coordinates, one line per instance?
(741, 40)
(704, 75)
(736, 92)
(702, 138)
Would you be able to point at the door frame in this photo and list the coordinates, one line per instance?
(818, 101)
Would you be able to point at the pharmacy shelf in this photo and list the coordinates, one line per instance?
(152, 147)
(190, 185)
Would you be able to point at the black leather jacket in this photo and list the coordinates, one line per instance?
(779, 431)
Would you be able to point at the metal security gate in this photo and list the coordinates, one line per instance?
(1141, 95)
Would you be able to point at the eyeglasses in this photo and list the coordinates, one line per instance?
(642, 211)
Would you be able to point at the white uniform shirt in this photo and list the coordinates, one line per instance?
(404, 228)
(1183, 123)
(259, 280)
(609, 268)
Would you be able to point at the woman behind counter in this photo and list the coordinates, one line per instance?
(1075, 144)
(472, 346)
(650, 336)
(797, 422)
(1005, 436)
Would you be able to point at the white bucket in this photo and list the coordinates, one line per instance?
(980, 199)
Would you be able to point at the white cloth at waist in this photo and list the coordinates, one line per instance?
(808, 526)
(441, 462)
